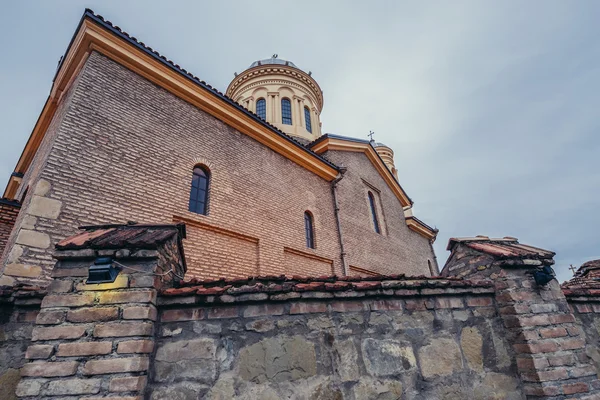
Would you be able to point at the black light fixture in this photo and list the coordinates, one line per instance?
(102, 271)
(544, 275)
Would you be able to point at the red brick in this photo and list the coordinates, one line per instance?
(534, 348)
(538, 390)
(584, 308)
(47, 317)
(561, 318)
(93, 314)
(49, 369)
(556, 361)
(116, 365)
(39, 351)
(222, 312)
(347, 306)
(140, 313)
(27, 316)
(58, 332)
(386, 305)
(419, 304)
(572, 388)
(449, 302)
(128, 384)
(307, 308)
(84, 349)
(545, 376)
(528, 363)
(260, 310)
(579, 372)
(553, 332)
(572, 344)
(479, 301)
(68, 300)
(182, 314)
(128, 296)
(136, 346)
(116, 329)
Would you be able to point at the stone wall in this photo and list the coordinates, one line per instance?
(19, 307)
(9, 210)
(396, 339)
(586, 309)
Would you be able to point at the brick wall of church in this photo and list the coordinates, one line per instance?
(366, 249)
(125, 151)
(9, 211)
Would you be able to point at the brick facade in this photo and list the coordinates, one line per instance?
(122, 149)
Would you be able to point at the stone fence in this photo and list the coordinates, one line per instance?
(493, 334)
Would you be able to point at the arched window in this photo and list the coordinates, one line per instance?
(374, 212)
(199, 191)
(307, 119)
(309, 230)
(261, 108)
(286, 111)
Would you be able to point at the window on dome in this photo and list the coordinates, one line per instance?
(286, 111)
(307, 119)
(199, 192)
(261, 108)
(309, 230)
(374, 213)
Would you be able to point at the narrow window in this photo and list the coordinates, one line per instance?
(374, 212)
(308, 230)
(261, 108)
(286, 111)
(307, 119)
(199, 191)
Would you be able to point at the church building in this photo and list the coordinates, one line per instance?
(128, 135)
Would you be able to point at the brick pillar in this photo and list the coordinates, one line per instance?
(96, 339)
(549, 345)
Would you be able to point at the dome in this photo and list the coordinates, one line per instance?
(273, 60)
(379, 144)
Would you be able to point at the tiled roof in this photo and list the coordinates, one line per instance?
(586, 278)
(297, 284)
(121, 236)
(506, 247)
(156, 55)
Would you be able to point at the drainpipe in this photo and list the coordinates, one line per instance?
(336, 209)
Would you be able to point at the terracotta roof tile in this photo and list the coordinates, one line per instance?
(586, 281)
(507, 247)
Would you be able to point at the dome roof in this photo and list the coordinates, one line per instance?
(379, 144)
(273, 60)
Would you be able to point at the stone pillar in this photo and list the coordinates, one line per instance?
(95, 339)
(548, 344)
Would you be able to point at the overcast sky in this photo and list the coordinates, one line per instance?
(491, 107)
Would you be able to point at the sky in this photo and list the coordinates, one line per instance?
(490, 107)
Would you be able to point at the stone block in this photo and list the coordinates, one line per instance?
(135, 346)
(42, 187)
(49, 369)
(57, 332)
(39, 351)
(6, 280)
(33, 239)
(347, 360)
(44, 207)
(387, 357)
(260, 310)
(441, 357)
(182, 314)
(307, 308)
(128, 384)
(186, 359)
(497, 386)
(73, 386)
(22, 270)
(260, 325)
(278, 359)
(93, 314)
(8, 383)
(84, 349)
(472, 347)
(58, 286)
(116, 365)
(368, 388)
(27, 387)
(123, 329)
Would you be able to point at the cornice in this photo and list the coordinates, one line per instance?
(418, 226)
(268, 69)
(92, 36)
(332, 144)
